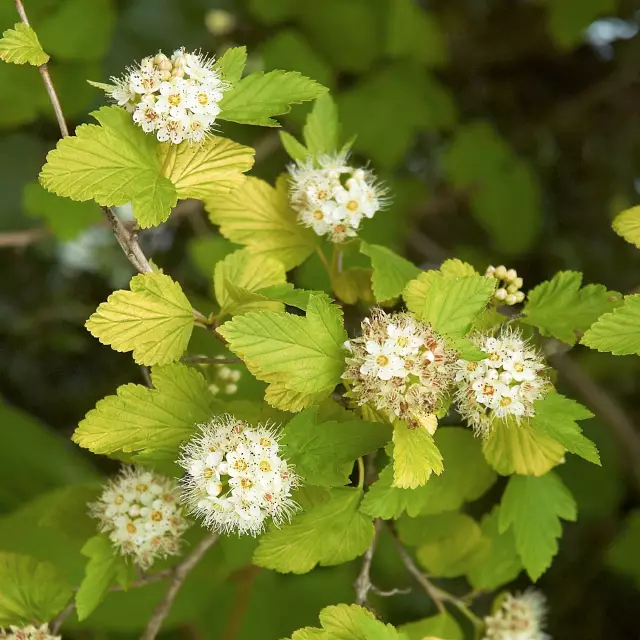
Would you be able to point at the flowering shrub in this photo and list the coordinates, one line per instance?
(379, 401)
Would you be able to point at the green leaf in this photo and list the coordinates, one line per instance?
(454, 268)
(113, 163)
(442, 627)
(154, 320)
(342, 621)
(30, 590)
(254, 99)
(246, 272)
(328, 534)
(20, 45)
(296, 150)
(415, 456)
(533, 507)
(64, 217)
(391, 273)
(449, 304)
(465, 478)
(260, 217)
(415, 33)
(231, 63)
(617, 332)
(449, 544)
(627, 225)
(568, 19)
(103, 569)
(322, 129)
(556, 416)
(513, 447)
(353, 284)
(501, 563)
(149, 420)
(560, 308)
(304, 354)
(324, 452)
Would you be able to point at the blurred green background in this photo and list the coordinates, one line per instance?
(509, 132)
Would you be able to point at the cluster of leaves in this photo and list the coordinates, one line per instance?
(291, 341)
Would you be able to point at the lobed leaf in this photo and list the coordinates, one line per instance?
(154, 320)
(415, 456)
(321, 131)
(627, 225)
(231, 63)
(617, 332)
(391, 272)
(20, 45)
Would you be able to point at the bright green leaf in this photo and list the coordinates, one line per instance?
(254, 99)
(449, 304)
(322, 129)
(30, 590)
(328, 534)
(440, 627)
(296, 150)
(324, 452)
(415, 456)
(560, 308)
(260, 217)
(454, 268)
(20, 45)
(231, 63)
(617, 332)
(154, 320)
(627, 225)
(391, 272)
(353, 284)
(556, 416)
(143, 419)
(533, 507)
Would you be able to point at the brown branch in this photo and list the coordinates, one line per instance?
(178, 576)
(363, 583)
(20, 239)
(59, 620)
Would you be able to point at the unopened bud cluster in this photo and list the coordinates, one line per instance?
(400, 366)
(176, 98)
(236, 479)
(520, 617)
(224, 380)
(509, 285)
(140, 511)
(332, 198)
(28, 633)
(504, 385)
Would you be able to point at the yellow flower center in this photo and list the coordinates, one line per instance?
(505, 402)
(156, 516)
(352, 205)
(382, 360)
(174, 99)
(203, 98)
(318, 215)
(240, 465)
(265, 466)
(245, 483)
(119, 499)
(131, 528)
(208, 473)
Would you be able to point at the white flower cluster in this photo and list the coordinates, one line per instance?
(176, 98)
(400, 366)
(225, 380)
(235, 478)
(504, 385)
(509, 285)
(140, 511)
(28, 633)
(332, 197)
(520, 617)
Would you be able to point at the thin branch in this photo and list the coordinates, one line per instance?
(363, 583)
(20, 239)
(604, 406)
(432, 591)
(392, 592)
(179, 574)
(59, 620)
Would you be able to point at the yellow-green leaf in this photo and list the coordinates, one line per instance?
(415, 456)
(20, 45)
(627, 225)
(203, 171)
(519, 448)
(154, 320)
(242, 273)
(259, 216)
(617, 332)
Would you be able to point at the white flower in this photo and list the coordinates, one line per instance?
(236, 479)
(177, 97)
(401, 367)
(332, 197)
(139, 510)
(505, 385)
(520, 617)
(28, 633)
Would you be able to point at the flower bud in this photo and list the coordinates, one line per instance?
(500, 272)
(511, 275)
(512, 288)
(519, 296)
(518, 282)
(511, 299)
(500, 294)
(28, 633)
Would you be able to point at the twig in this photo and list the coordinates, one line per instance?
(392, 592)
(363, 583)
(432, 591)
(179, 574)
(146, 376)
(603, 405)
(59, 620)
(24, 238)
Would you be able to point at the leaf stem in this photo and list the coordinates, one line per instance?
(360, 473)
(324, 261)
(179, 574)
